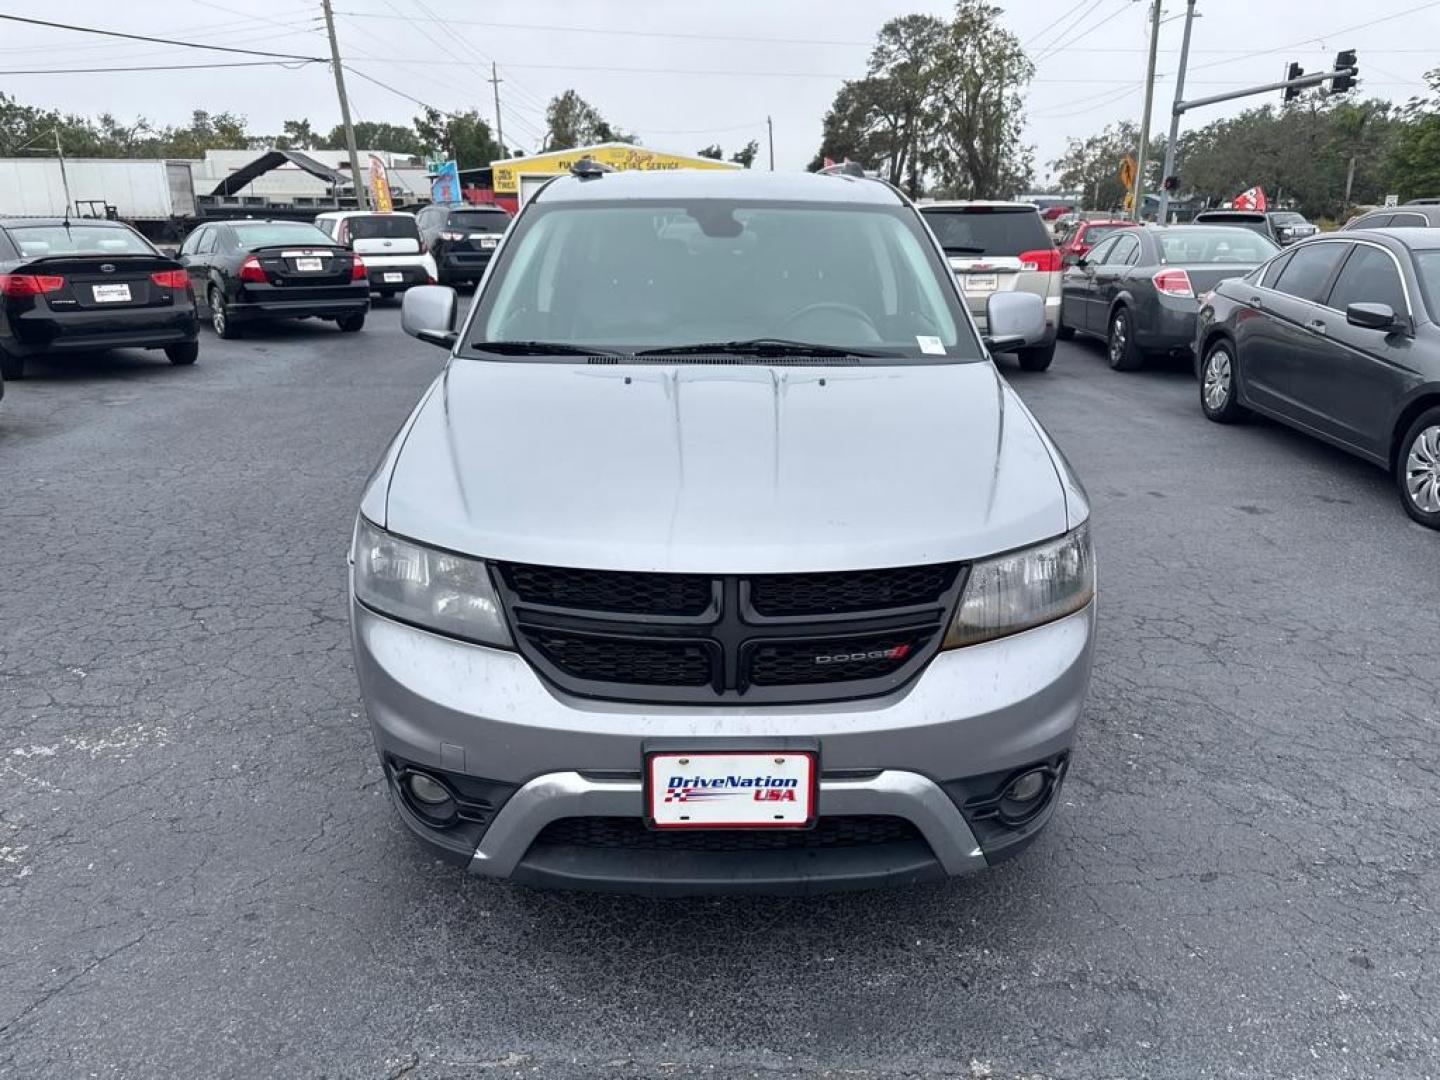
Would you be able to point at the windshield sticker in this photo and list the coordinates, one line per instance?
(930, 346)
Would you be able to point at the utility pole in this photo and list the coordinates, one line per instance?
(1137, 186)
(362, 194)
(65, 180)
(495, 81)
(1169, 171)
(770, 129)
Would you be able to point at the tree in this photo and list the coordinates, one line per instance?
(571, 121)
(465, 137)
(712, 151)
(981, 86)
(299, 135)
(1092, 165)
(206, 131)
(378, 135)
(1413, 168)
(746, 154)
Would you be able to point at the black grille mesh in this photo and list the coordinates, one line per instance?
(790, 663)
(778, 595)
(649, 663)
(599, 590)
(632, 834)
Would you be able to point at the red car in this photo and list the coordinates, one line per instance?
(1050, 213)
(1086, 235)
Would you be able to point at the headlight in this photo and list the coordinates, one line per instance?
(1014, 592)
(447, 593)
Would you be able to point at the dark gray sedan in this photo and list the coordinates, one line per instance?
(1140, 289)
(1337, 337)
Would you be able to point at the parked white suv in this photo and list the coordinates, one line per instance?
(1001, 247)
(389, 242)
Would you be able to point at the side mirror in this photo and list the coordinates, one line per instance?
(1013, 320)
(1372, 317)
(428, 313)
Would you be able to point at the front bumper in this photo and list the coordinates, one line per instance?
(474, 712)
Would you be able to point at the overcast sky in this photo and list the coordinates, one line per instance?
(712, 80)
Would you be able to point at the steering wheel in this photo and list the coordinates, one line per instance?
(838, 308)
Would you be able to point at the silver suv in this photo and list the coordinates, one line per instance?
(719, 556)
(1001, 247)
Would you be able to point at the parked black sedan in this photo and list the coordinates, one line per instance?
(1338, 337)
(1139, 289)
(249, 271)
(85, 285)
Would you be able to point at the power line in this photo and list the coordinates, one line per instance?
(1062, 30)
(290, 66)
(1081, 36)
(1320, 37)
(158, 40)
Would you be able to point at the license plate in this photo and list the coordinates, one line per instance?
(308, 265)
(111, 294)
(392, 277)
(740, 789)
(486, 241)
(979, 282)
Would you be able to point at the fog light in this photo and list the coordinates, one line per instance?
(1027, 787)
(427, 790)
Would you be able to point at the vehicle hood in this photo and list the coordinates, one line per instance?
(723, 469)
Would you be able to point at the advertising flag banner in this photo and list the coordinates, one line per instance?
(380, 186)
(445, 184)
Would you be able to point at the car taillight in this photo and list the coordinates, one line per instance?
(30, 284)
(1042, 259)
(357, 268)
(251, 270)
(1173, 283)
(170, 279)
(452, 235)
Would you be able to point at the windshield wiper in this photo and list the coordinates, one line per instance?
(542, 348)
(756, 347)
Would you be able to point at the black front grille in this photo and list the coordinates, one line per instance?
(826, 594)
(631, 834)
(700, 639)
(787, 663)
(598, 590)
(649, 663)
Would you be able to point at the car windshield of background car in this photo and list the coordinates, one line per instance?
(1195, 246)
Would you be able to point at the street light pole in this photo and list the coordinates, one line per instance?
(362, 195)
(1137, 185)
(1175, 114)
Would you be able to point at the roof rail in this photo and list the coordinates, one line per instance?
(587, 168)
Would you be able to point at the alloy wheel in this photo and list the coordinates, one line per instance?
(1422, 470)
(1119, 337)
(1218, 378)
(217, 313)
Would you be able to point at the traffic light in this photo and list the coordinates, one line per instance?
(1292, 92)
(1343, 60)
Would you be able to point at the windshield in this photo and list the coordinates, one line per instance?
(648, 275)
(1215, 246)
(988, 230)
(1427, 269)
(383, 226)
(491, 221)
(36, 240)
(265, 233)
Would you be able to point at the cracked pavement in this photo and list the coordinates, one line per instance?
(199, 873)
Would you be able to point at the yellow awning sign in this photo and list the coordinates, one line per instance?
(507, 172)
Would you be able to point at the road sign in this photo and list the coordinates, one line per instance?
(1127, 172)
(1392, 200)
(1129, 201)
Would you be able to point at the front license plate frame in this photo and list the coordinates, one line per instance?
(732, 805)
(111, 294)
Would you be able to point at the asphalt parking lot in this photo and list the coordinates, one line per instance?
(200, 876)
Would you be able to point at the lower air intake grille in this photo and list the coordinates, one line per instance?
(632, 834)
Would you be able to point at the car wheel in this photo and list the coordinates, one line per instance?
(351, 323)
(1121, 350)
(1037, 359)
(186, 352)
(225, 326)
(1219, 394)
(11, 367)
(1417, 469)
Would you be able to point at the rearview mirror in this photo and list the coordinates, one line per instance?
(1013, 320)
(1372, 317)
(428, 313)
